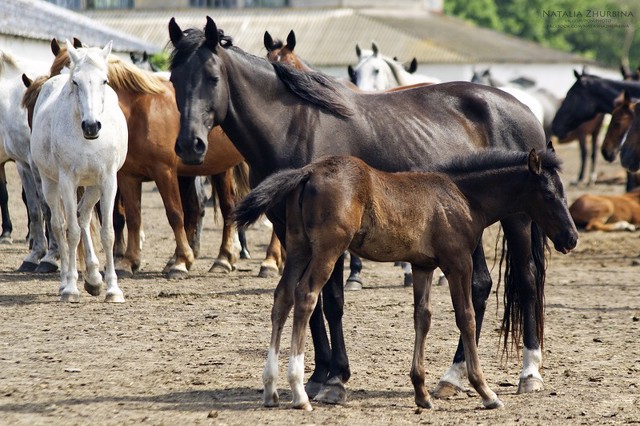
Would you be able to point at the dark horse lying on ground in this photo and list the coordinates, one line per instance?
(281, 118)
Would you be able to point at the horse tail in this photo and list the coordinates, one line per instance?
(513, 319)
(269, 193)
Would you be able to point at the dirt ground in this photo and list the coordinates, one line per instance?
(192, 352)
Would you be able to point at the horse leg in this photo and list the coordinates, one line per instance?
(131, 194)
(454, 380)
(421, 323)
(7, 226)
(92, 277)
(593, 175)
(460, 290)
(354, 282)
(36, 225)
(582, 140)
(223, 184)
(271, 265)
(244, 248)
(167, 184)
(107, 199)
(193, 208)
(119, 221)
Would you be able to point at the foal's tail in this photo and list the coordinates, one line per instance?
(269, 193)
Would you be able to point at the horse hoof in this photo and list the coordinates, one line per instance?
(268, 272)
(27, 267)
(272, 401)
(445, 390)
(46, 268)
(313, 388)
(424, 403)
(244, 254)
(6, 239)
(93, 289)
(408, 280)
(124, 273)
(492, 405)
(70, 297)
(306, 406)
(353, 285)
(221, 266)
(332, 392)
(529, 384)
(177, 274)
(114, 298)
(442, 281)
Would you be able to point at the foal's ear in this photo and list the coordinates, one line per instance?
(77, 43)
(626, 97)
(291, 40)
(73, 53)
(106, 50)
(576, 74)
(175, 32)
(358, 50)
(26, 80)
(534, 163)
(374, 47)
(550, 147)
(55, 47)
(268, 41)
(211, 34)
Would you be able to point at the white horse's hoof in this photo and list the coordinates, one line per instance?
(529, 384)
(114, 298)
(70, 297)
(93, 289)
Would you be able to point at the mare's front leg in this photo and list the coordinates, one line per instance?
(34, 201)
(107, 201)
(193, 200)
(421, 323)
(7, 226)
(227, 257)
(131, 194)
(593, 175)
(582, 143)
(92, 277)
(455, 379)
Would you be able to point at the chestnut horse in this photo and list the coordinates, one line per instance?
(153, 121)
(607, 212)
(340, 203)
(217, 83)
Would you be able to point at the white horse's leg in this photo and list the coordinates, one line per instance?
(107, 201)
(49, 262)
(92, 278)
(36, 228)
(68, 193)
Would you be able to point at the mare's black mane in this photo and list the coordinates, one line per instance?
(493, 159)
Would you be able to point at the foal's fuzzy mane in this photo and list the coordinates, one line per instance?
(314, 87)
(494, 159)
(7, 60)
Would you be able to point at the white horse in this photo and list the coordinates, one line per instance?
(79, 138)
(375, 72)
(14, 135)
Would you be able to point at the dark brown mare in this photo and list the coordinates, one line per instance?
(630, 149)
(219, 84)
(340, 203)
(148, 103)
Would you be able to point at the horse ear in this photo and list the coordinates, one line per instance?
(145, 56)
(352, 74)
(550, 146)
(268, 41)
(175, 32)
(211, 35)
(374, 47)
(486, 72)
(534, 163)
(627, 97)
(106, 50)
(73, 53)
(77, 43)
(358, 50)
(576, 74)
(291, 40)
(26, 80)
(413, 66)
(55, 47)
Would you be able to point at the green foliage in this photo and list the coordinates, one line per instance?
(160, 60)
(554, 23)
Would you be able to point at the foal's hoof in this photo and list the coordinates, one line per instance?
(267, 271)
(332, 392)
(70, 297)
(114, 298)
(354, 283)
(46, 268)
(313, 388)
(445, 390)
(221, 266)
(93, 289)
(529, 384)
(493, 404)
(27, 266)
(424, 403)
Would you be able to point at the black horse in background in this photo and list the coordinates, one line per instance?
(281, 118)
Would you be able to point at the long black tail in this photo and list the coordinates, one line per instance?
(269, 193)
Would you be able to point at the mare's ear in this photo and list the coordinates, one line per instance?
(534, 163)
(291, 40)
(73, 53)
(106, 50)
(26, 80)
(374, 47)
(77, 43)
(211, 35)
(352, 74)
(55, 47)
(576, 74)
(413, 66)
(550, 146)
(132, 56)
(175, 32)
(268, 41)
(627, 97)
(358, 50)
(486, 72)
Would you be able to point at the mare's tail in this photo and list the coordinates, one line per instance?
(269, 193)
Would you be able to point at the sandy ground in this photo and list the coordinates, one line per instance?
(192, 352)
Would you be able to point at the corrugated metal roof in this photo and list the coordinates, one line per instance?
(40, 20)
(327, 37)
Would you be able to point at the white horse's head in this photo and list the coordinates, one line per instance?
(373, 73)
(88, 80)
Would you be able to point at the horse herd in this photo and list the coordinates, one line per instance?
(413, 173)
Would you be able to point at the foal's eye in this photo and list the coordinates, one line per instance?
(75, 83)
(105, 82)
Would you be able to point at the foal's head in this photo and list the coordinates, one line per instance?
(88, 80)
(280, 52)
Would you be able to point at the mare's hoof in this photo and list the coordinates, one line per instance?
(6, 239)
(408, 280)
(27, 267)
(114, 298)
(221, 266)
(93, 289)
(332, 392)
(70, 297)
(124, 273)
(492, 405)
(306, 406)
(424, 403)
(46, 268)
(445, 390)
(354, 283)
(244, 254)
(529, 384)
(267, 271)
(177, 274)
(442, 281)
(272, 401)
(313, 388)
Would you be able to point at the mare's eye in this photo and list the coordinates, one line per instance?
(75, 83)
(105, 82)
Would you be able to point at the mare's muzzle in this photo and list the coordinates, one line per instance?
(193, 153)
(566, 241)
(91, 130)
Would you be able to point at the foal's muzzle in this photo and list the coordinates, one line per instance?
(193, 153)
(91, 130)
(566, 241)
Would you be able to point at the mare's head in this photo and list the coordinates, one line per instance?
(546, 200)
(372, 73)
(621, 118)
(200, 82)
(630, 150)
(88, 82)
(588, 96)
(277, 51)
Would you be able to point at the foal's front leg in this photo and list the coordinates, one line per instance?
(421, 322)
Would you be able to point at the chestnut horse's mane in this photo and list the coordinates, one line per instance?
(31, 94)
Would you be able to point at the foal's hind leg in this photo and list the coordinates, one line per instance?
(92, 278)
(421, 322)
(273, 261)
